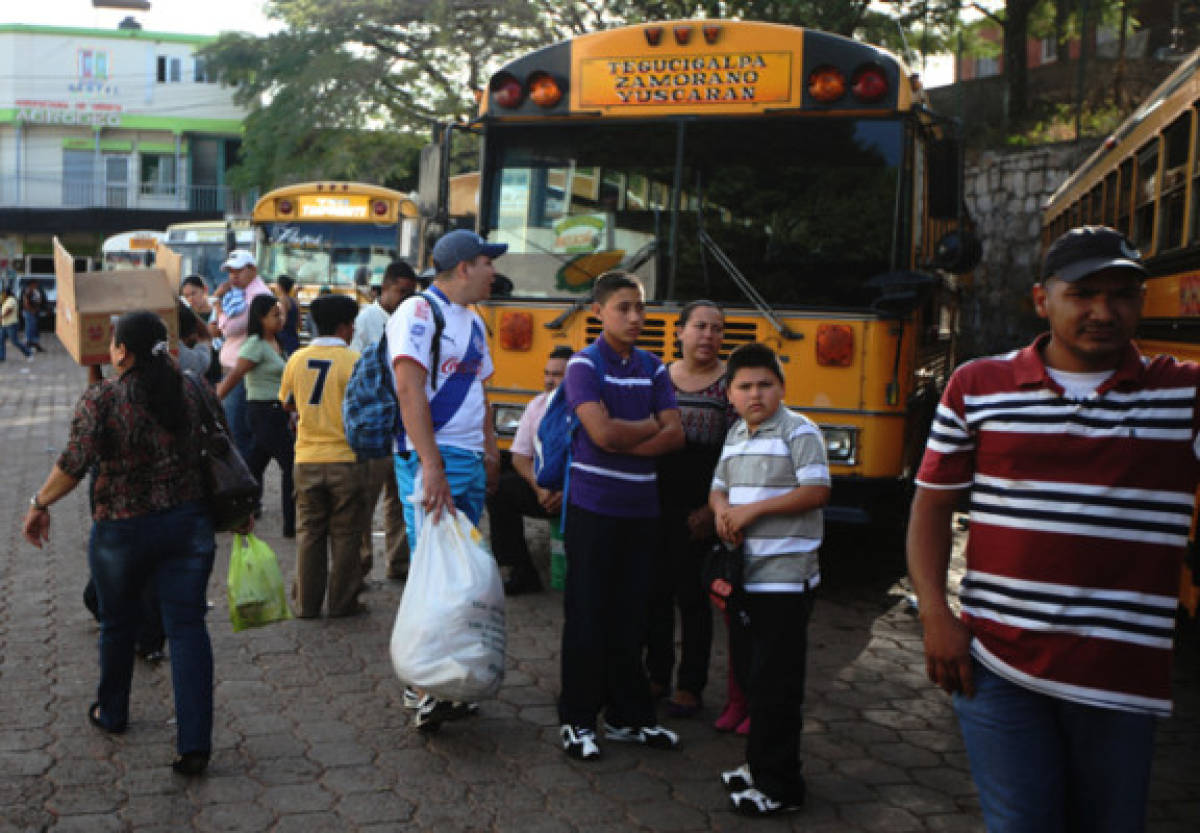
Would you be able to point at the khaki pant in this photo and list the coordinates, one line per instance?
(330, 515)
(381, 476)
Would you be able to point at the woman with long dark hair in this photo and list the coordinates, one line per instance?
(260, 362)
(684, 479)
(151, 524)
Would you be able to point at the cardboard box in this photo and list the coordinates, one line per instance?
(87, 302)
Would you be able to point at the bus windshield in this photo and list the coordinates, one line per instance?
(805, 209)
(333, 254)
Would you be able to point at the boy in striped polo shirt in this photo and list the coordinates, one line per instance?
(1079, 458)
(767, 493)
(628, 416)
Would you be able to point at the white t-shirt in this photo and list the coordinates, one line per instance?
(410, 336)
(1079, 385)
(368, 326)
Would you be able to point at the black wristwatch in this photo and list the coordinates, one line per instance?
(41, 507)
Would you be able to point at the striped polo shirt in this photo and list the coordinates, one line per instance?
(786, 451)
(1080, 510)
(630, 388)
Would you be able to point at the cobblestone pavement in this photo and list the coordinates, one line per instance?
(311, 736)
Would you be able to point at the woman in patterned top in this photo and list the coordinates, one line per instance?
(684, 478)
(151, 524)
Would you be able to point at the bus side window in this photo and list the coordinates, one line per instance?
(1125, 197)
(1147, 187)
(1176, 141)
(1110, 200)
(1194, 232)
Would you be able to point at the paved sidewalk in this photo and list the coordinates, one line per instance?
(311, 735)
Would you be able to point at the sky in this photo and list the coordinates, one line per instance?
(192, 17)
(211, 17)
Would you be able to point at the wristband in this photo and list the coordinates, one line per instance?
(40, 507)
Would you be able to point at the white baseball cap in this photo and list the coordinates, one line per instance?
(239, 259)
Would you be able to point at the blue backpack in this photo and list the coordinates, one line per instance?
(370, 410)
(552, 449)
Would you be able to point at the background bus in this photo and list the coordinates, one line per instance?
(1144, 181)
(795, 177)
(130, 249)
(204, 245)
(340, 235)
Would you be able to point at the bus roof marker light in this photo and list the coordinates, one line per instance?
(544, 90)
(285, 206)
(683, 34)
(507, 91)
(653, 35)
(711, 33)
(379, 207)
(826, 84)
(869, 84)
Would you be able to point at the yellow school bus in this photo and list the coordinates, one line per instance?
(332, 236)
(796, 178)
(1144, 181)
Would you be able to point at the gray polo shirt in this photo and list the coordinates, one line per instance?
(786, 451)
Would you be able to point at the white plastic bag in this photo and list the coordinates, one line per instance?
(449, 633)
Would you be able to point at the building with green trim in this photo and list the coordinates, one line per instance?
(108, 130)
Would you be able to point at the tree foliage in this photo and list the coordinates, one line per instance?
(350, 89)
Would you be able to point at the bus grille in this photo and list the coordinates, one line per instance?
(654, 336)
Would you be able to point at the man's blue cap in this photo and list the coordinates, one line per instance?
(463, 244)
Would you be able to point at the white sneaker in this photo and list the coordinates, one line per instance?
(753, 803)
(736, 780)
(579, 742)
(412, 698)
(656, 737)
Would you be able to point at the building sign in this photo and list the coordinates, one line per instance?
(687, 80)
(92, 74)
(93, 113)
(337, 208)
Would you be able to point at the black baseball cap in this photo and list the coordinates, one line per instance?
(1088, 249)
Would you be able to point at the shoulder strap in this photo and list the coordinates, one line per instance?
(439, 324)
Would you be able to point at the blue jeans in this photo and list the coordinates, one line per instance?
(239, 420)
(11, 331)
(468, 485)
(173, 549)
(31, 327)
(1045, 765)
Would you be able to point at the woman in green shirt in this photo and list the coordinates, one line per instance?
(261, 362)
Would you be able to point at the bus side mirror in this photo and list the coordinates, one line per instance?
(429, 182)
(958, 252)
(945, 179)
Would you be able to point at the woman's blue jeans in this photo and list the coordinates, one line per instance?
(174, 549)
(1045, 765)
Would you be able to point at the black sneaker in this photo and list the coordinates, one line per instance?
(753, 803)
(737, 780)
(579, 742)
(432, 713)
(656, 737)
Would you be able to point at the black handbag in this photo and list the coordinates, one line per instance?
(233, 493)
(724, 570)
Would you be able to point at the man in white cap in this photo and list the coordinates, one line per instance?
(234, 297)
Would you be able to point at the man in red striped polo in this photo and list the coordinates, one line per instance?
(1079, 457)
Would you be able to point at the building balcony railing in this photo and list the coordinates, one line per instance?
(56, 192)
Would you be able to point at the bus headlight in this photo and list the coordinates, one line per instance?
(505, 417)
(841, 444)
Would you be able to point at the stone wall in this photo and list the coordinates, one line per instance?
(1004, 193)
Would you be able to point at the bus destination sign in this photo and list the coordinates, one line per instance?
(334, 207)
(744, 78)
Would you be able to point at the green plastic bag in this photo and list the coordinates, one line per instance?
(256, 594)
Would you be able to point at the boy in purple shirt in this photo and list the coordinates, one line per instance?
(628, 416)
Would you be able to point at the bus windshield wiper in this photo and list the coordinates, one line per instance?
(630, 264)
(752, 294)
